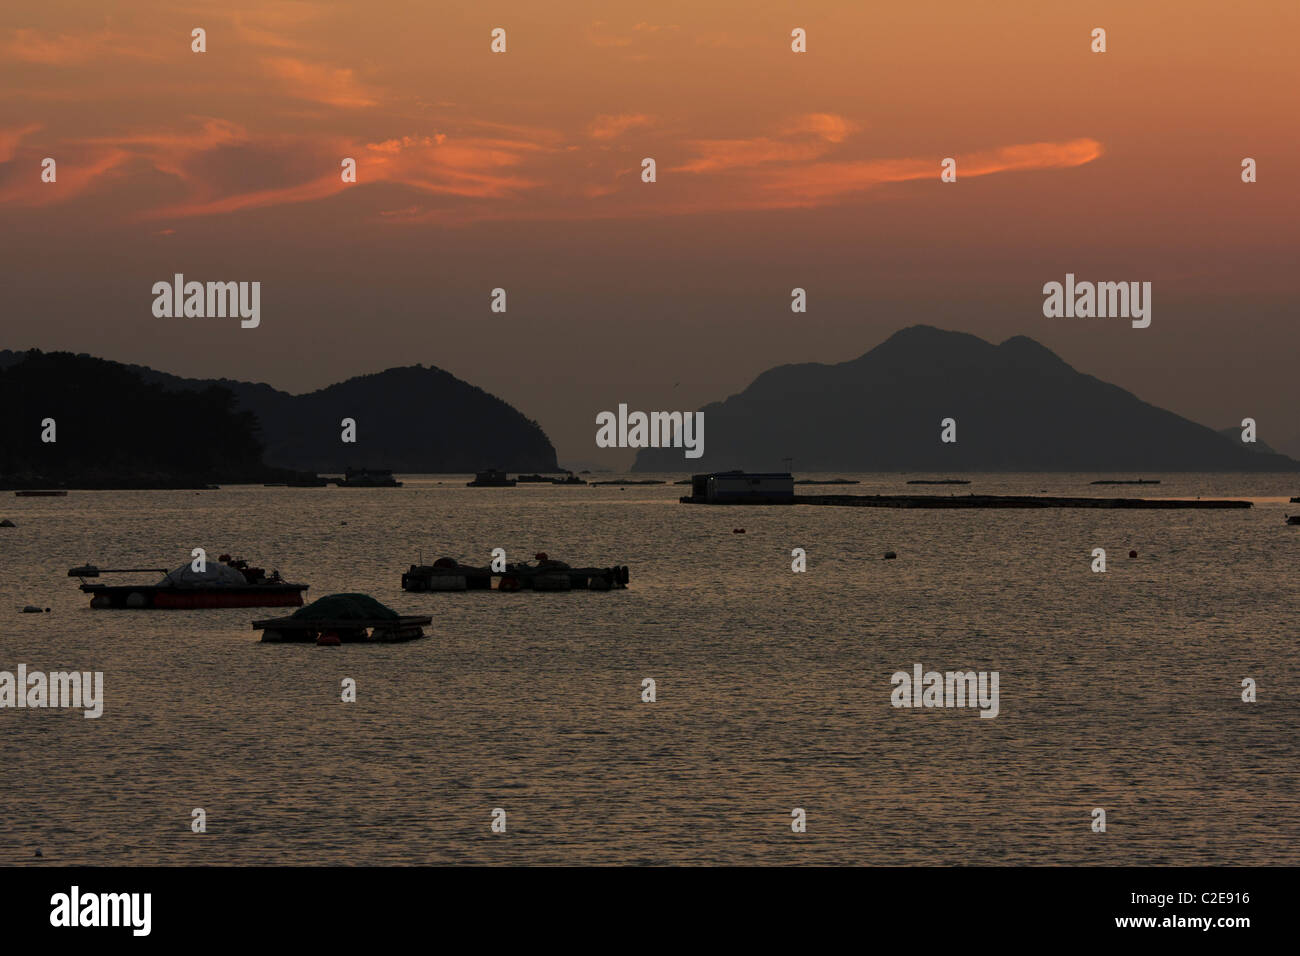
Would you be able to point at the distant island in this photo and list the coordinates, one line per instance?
(1017, 407)
(411, 419)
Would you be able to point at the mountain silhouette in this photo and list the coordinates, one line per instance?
(1233, 434)
(1017, 406)
(411, 419)
(76, 421)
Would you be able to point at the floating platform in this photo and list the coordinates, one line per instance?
(287, 630)
(568, 479)
(351, 618)
(152, 597)
(368, 478)
(973, 501)
(492, 478)
(447, 574)
(224, 583)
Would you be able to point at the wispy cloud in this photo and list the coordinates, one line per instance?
(79, 170)
(608, 126)
(821, 182)
(277, 24)
(475, 170)
(600, 33)
(26, 45)
(10, 138)
(803, 140)
(318, 83)
(828, 126)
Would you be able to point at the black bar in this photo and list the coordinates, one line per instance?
(926, 909)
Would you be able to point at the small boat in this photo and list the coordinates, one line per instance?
(226, 582)
(492, 478)
(367, 478)
(1293, 519)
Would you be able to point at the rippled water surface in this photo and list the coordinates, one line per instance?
(1118, 690)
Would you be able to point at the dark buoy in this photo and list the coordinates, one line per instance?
(890, 556)
(38, 852)
(1132, 554)
(737, 530)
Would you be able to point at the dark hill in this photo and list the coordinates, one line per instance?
(1233, 434)
(1018, 407)
(412, 419)
(113, 429)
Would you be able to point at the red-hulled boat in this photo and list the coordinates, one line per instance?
(226, 582)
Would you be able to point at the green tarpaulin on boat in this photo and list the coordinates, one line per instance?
(345, 607)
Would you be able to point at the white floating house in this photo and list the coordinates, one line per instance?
(739, 485)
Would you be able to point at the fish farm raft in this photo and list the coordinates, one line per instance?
(448, 574)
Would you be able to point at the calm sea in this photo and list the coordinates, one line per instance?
(1119, 690)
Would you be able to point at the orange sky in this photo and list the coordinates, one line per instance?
(775, 170)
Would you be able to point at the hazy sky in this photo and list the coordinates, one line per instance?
(775, 169)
